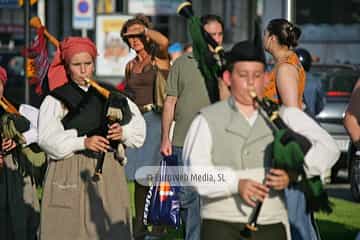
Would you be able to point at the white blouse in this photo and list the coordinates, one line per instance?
(30, 113)
(59, 143)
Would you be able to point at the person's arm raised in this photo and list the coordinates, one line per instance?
(159, 39)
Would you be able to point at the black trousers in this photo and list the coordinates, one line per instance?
(215, 230)
(140, 194)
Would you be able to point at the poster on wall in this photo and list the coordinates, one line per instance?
(113, 52)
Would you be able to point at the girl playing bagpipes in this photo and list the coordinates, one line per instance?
(19, 172)
(72, 122)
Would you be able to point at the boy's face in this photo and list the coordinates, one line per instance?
(247, 76)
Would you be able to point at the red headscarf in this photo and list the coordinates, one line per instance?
(3, 75)
(68, 48)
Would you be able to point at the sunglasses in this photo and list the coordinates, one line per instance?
(141, 35)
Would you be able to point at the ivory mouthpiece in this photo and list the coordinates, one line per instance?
(219, 49)
(87, 80)
(181, 6)
(252, 92)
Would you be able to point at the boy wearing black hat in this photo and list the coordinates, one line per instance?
(228, 204)
(234, 135)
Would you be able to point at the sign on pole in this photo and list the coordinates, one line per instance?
(83, 14)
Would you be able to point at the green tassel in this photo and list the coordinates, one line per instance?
(316, 196)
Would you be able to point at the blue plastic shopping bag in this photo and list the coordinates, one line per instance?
(162, 205)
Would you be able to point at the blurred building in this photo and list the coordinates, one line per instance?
(331, 28)
(57, 15)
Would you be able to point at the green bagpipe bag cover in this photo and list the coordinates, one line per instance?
(204, 57)
(29, 158)
(290, 157)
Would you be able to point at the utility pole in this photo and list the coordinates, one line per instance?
(290, 10)
(27, 45)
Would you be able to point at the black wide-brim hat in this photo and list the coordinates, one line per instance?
(245, 51)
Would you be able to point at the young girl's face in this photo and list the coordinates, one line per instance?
(81, 66)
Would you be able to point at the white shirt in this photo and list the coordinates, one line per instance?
(324, 151)
(59, 143)
(198, 147)
(30, 113)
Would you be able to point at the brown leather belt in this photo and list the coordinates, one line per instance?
(146, 108)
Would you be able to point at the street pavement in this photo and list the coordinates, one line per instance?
(341, 187)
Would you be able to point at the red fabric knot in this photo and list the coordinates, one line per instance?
(3, 75)
(69, 47)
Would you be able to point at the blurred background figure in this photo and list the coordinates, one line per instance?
(352, 125)
(352, 116)
(286, 87)
(314, 96)
(152, 58)
(19, 204)
(175, 50)
(188, 48)
(315, 58)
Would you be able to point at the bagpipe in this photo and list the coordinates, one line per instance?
(210, 63)
(7, 106)
(35, 22)
(30, 159)
(118, 110)
(117, 107)
(289, 150)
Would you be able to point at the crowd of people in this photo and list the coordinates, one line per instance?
(74, 128)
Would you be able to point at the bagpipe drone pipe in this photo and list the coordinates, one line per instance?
(116, 104)
(289, 150)
(210, 63)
